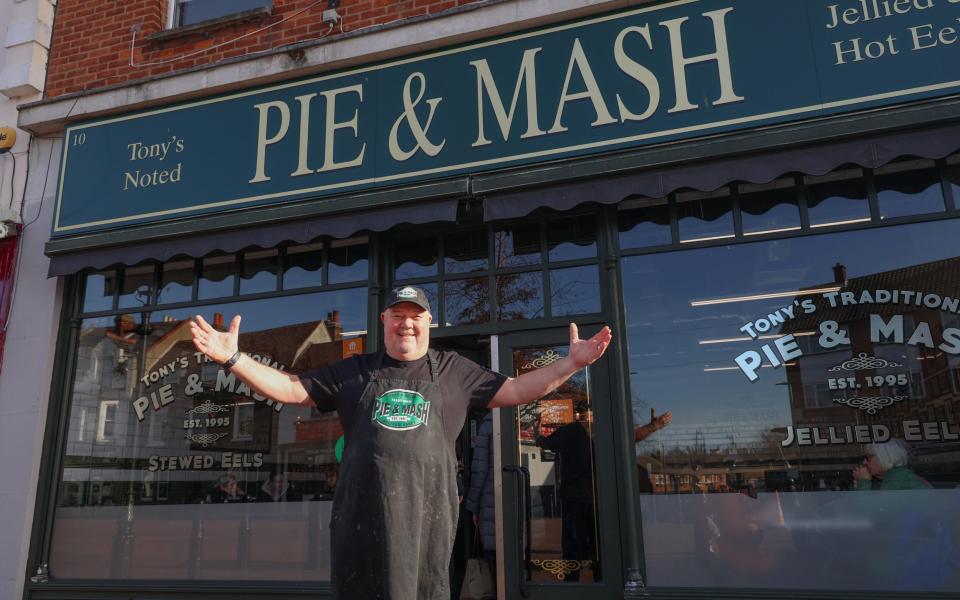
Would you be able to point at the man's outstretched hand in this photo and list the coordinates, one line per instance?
(585, 352)
(218, 345)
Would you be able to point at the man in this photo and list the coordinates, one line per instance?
(572, 445)
(395, 508)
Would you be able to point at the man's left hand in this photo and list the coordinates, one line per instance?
(585, 352)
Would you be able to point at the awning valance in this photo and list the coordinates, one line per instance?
(264, 236)
(658, 182)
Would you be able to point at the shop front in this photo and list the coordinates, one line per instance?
(760, 201)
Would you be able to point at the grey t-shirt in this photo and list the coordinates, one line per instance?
(463, 384)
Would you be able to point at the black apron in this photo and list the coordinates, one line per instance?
(395, 507)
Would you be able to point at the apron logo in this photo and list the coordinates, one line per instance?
(400, 410)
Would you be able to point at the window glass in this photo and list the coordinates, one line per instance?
(909, 188)
(769, 208)
(953, 177)
(415, 256)
(839, 198)
(216, 276)
(520, 296)
(556, 443)
(162, 445)
(705, 216)
(806, 381)
(517, 245)
(99, 288)
(190, 12)
(570, 238)
(348, 261)
(465, 251)
(574, 291)
(467, 301)
(303, 267)
(258, 271)
(644, 222)
(137, 287)
(176, 282)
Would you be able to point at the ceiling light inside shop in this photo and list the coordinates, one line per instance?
(747, 338)
(769, 231)
(789, 294)
(707, 239)
(837, 223)
(715, 369)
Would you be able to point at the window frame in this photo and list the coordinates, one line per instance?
(173, 14)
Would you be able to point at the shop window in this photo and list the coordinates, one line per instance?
(348, 261)
(304, 266)
(570, 238)
(166, 444)
(704, 217)
(520, 296)
(176, 282)
(467, 301)
(769, 208)
(953, 177)
(191, 12)
(644, 222)
(216, 276)
(909, 188)
(415, 256)
(465, 251)
(99, 289)
(517, 245)
(574, 291)
(784, 364)
(136, 289)
(258, 271)
(838, 198)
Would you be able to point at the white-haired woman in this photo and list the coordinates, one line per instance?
(886, 464)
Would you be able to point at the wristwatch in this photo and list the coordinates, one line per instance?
(231, 361)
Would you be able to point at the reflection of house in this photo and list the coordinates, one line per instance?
(929, 377)
(893, 381)
(145, 391)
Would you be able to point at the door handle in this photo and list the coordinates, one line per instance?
(523, 524)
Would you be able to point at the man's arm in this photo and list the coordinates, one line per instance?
(656, 423)
(219, 346)
(536, 384)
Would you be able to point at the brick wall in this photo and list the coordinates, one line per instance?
(91, 44)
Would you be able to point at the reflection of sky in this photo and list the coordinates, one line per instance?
(666, 361)
(259, 315)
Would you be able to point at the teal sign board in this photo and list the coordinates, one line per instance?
(653, 74)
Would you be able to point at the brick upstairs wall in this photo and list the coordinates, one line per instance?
(91, 38)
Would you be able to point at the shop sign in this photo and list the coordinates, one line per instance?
(653, 74)
(865, 383)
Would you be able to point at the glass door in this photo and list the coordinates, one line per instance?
(560, 517)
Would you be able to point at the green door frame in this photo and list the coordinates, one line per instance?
(515, 500)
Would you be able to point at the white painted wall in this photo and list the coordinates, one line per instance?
(31, 333)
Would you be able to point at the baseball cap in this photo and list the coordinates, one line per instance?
(409, 294)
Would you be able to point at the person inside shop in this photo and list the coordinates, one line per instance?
(277, 488)
(885, 468)
(226, 489)
(572, 445)
(657, 422)
(480, 499)
(395, 509)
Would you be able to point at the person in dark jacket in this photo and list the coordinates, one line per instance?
(480, 500)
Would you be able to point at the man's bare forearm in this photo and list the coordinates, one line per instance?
(273, 383)
(533, 385)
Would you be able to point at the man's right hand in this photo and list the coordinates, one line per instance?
(219, 346)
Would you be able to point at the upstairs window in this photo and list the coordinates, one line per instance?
(191, 12)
